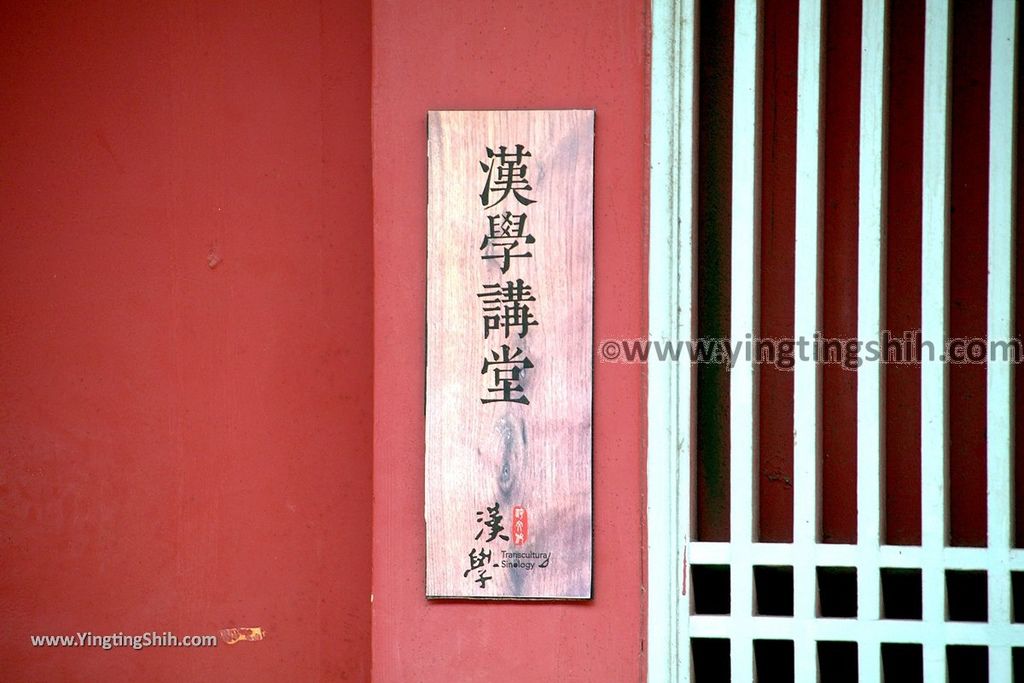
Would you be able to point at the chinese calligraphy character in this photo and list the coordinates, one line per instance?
(478, 563)
(506, 308)
(508, 368)
(505, 231)
(506, 173)
(493, 523)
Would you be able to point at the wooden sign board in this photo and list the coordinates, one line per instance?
(510, 274)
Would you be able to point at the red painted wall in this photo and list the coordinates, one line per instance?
(536, 54)
(185, 336)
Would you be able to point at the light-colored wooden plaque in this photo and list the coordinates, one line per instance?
(508, 484)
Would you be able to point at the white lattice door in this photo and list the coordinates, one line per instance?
(741, 609)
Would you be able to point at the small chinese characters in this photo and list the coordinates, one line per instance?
(480, 559)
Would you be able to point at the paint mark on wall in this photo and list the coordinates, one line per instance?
(213, 257)
(230, 636)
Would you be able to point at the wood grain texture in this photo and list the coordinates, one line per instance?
(535, 456)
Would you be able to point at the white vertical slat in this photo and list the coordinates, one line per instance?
(1000, 325)
(934, 324)
(870, 323)
(672, 309)
(745, 266)
(806, 322)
